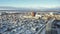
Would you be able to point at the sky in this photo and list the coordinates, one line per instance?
(30, 3)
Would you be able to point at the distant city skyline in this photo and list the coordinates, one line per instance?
(31, 3)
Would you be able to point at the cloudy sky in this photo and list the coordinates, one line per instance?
(30, 3)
